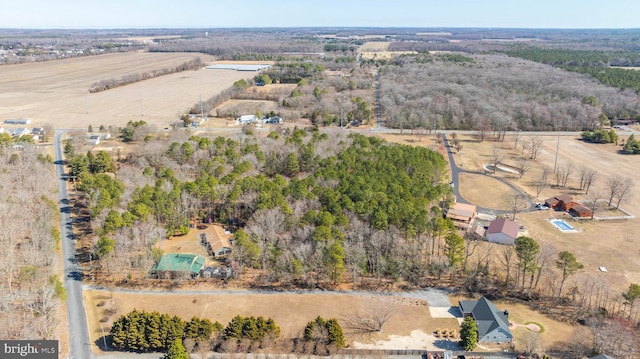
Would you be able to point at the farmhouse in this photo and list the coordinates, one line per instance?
(178, 266)
(246, 119)
(558, 202)
(461, 214)
(503, 231)
(493, 324)
(221, 247)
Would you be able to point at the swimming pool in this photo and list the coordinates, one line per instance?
(562, 225)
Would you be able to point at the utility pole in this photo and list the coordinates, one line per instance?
(555, 164)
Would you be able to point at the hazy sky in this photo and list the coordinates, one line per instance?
(290, 13)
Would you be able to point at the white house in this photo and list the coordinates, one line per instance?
(246, 119)
(503, 231)
(94, 140)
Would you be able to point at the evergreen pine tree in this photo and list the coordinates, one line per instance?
(176, 350)
(234, 328)
(335, 333)
(469, 334)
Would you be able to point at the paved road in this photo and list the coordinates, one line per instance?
(455, 171)
(76, 317)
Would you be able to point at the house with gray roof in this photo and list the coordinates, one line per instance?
(493, 324)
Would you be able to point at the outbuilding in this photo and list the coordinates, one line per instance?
(503, 231)
(178, 265)
(462, 214)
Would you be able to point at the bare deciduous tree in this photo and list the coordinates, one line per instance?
(535, 145)
(523, 165)
(496, 158)
(531, 342)
(518, 200)
(507, 257)
(372, 319)
(567, 171)
(625, 188)
(614, 184)
(593, 200)
(590, 177)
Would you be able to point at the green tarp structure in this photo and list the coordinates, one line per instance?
(177, 262)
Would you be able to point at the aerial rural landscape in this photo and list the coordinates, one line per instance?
(299, 192)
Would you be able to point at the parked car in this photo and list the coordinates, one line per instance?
(541, 206)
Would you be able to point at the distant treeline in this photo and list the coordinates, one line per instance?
(104, 85)
(593, 63)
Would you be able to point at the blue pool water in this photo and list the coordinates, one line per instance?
(562, 225)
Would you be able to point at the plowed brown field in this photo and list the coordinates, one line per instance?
(57, 92)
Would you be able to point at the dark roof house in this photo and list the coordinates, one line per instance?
(493, 324)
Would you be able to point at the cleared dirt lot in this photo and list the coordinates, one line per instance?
(410, 314)
(57, 92)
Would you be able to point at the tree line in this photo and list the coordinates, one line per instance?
(32, 291)
(596, 64)
(103, 85)
(142, 331)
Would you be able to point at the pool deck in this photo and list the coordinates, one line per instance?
(563, 227)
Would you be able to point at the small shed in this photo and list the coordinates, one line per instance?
(178, 265)
(503, 231)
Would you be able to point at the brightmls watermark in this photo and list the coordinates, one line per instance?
(29, 349)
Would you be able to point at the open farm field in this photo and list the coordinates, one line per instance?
(57, 92)
(375, 46)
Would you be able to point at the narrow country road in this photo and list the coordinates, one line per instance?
(79, 344)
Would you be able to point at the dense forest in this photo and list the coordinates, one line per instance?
(495, 92)
(32, 291)
(597, 64)
(306, 203)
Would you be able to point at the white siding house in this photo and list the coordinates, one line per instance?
(503, 231)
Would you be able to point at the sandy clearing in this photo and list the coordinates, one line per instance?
(290, 311)
(56, 92)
